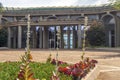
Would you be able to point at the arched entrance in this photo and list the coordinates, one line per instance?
(109, 24)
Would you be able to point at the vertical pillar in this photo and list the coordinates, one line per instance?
(73, 42)
(9, 37)
(45, 37)
(109, 38)
(55, 37)
(19, 36)
(40, 37)
(0, 19)
(79, 37)
(68, 39)
(34, 38)
(97, 17)
(14, 37)
(41, 18)
(62, 40)
(117, 32)
(15, 19)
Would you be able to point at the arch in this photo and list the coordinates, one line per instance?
(110, 27)
(106, 15)
(23, 19)
(52, 17)
(80, 17)
(5, 19)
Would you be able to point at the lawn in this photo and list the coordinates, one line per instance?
(9, 71)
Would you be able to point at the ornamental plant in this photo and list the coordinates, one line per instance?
(49, 59)
(25, 72)
(53, 61)
(78, 70)
(55, 76)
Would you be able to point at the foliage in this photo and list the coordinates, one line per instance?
(79, 70)
(25, 72)
(1, 7)
(115, 3)
(55, 76)
(9, 70)
(53, 61)
(96, 36)
(3, 37)
(49, 58)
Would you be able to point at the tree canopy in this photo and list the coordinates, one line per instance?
(96, 36)
(1, 7)
(115, 3)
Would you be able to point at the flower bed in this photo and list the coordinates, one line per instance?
(42, 71)
(78, 70)
(93, 74)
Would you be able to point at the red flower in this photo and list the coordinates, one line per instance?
(76, 72)
(94, 61)
(79, 69)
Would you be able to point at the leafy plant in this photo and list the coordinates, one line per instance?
(49, 59)
(55, 76)
(53, 61)
(115, 4)
(25, 72)
(9, 71)
(96, 36)
(3, 37)
(78, 70)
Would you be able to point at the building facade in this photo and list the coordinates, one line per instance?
(45, 22)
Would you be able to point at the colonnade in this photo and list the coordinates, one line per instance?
(45, 37)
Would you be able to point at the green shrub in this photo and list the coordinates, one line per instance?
(96, 36)
(3, 37)
(9, 71)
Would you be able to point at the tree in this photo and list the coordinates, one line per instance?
(3, 37)
(96, 36)
(115, 3)
(1, 7)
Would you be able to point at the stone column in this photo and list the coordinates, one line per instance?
(97, 17)
(0, 19)
(117, 31)
(34, 37)
(14, 37)
(9, 37)
(68, 40)
(109, 38)
(19, 36)
(55, 37)
(40, 37)
(15, 19)
(73, 32)
(79, 37)
(62, 40)
(45, 37)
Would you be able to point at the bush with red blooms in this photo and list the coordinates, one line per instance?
(78, 70)
(53, 61)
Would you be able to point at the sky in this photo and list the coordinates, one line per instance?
(46, 3)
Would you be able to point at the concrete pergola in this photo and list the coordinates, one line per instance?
(44, 23)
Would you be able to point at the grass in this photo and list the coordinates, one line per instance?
(9, 71)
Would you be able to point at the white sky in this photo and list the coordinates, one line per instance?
(39, 3)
